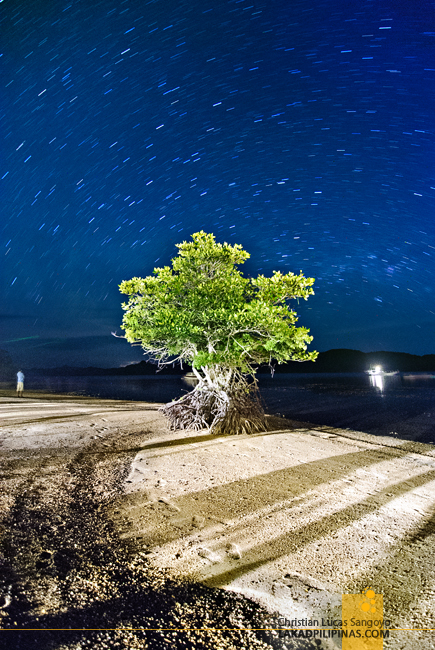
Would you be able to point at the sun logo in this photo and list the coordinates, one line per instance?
(368, 604)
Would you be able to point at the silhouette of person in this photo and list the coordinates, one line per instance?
(20, 383)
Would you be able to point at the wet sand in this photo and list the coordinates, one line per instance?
(289, 519)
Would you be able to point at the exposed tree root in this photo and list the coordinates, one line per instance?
(192, 411)
(233, 412)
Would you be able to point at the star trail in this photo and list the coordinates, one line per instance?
(304, 132)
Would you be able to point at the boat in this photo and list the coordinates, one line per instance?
(190, 379)
(378, 372)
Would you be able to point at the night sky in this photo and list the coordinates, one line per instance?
(302, 130)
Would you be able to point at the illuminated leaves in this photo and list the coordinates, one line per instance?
(202, 310)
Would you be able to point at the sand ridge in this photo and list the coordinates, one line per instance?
(291, 518)
(266, 513)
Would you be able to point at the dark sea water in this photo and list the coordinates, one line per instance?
(402, 406)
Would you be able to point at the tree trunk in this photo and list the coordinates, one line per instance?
(222, 404)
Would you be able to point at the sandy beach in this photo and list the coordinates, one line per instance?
(105, 509)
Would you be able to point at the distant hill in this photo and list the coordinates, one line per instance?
(340, 360)
(344, 360)
(141, 368)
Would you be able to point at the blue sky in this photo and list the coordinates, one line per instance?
(303, 132)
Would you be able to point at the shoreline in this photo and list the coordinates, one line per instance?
(403, 411)
(290, 518)
(392, 439)
(9, 396)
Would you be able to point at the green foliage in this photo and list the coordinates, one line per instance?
(203, 311)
